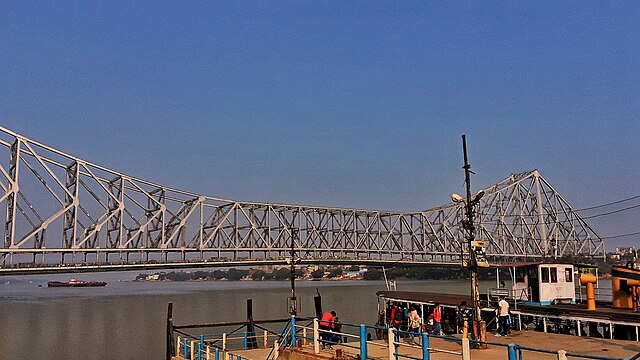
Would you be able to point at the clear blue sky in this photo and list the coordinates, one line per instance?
(351, 104)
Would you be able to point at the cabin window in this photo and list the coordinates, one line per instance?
(554, 274)
(520, 273)
(568, 274)
(544, 274)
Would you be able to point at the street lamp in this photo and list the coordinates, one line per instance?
(479, 328)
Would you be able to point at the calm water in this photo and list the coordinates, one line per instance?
(127, 320)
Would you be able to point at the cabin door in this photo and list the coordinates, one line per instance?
(534, 284)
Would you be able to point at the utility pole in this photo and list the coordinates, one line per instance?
(293, 306)
(479, 328)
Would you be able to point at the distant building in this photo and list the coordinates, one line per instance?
(624, 254)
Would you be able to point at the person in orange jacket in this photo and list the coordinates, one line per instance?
(326, 325)
(437, 317)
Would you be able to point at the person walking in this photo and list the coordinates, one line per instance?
(396, 317)
(414, 324)
(437, 318)
(503, 317)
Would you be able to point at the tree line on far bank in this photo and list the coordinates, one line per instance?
(233, 274)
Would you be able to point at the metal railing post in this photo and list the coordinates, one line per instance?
(293, 331)
(466, 349)
(184, 348)
(562, 355)
(363, 342)
(425, 346)
(513, 354)
(244, 341)
(178, 343)
(391, 343)
(316, 337)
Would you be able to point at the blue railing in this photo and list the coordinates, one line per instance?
(355, 338)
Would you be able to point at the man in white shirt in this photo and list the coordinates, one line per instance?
(503, 316)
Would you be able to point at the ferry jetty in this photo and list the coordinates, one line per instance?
(551, 298)
(299, 337)
(75, 283)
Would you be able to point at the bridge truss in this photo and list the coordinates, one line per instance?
(60, 210)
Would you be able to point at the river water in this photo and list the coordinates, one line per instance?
(127, 319)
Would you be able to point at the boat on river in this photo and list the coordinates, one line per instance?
(75, 283)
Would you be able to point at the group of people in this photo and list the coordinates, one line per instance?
(401, 317)
(408, 318)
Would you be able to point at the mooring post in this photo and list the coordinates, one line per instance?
(317, 301)
(217, 354)
(252, 342)
(171, 351)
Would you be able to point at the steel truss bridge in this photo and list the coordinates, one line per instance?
(65, 214)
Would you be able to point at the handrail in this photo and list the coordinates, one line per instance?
(289, 337)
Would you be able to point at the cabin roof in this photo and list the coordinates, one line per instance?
(425, 297)
(519, 264)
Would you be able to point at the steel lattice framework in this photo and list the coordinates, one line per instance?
(60, 209)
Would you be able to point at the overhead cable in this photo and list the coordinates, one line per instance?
(608, 204)
(619, 236)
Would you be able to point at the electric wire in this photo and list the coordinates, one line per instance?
(608, 204)
(621, 235)
(582, 217)
(611, 212)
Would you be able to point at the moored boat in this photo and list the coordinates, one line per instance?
(75, 283)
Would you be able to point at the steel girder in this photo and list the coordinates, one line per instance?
(62, 209)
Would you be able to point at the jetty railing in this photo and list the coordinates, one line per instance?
(298, 331)
(409, 345)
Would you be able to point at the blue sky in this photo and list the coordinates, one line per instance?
(351, 104)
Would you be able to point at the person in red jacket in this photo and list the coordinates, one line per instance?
(437, 317)
(326, 325)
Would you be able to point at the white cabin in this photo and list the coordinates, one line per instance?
(542, 284)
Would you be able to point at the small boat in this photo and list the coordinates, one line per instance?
(75, 283)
